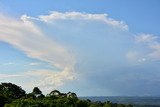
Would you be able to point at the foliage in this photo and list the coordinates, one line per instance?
(37, 93)
(3, 100)
(11, 91)
(37, 99)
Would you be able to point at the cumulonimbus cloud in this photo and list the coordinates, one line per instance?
(25, 35)
(94, 41)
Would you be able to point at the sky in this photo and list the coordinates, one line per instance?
(90, 47)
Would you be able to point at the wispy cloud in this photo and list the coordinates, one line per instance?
(8, 63)
(145, 38)
(25, 36)
(3, 76)
(34, 63)
(147, 48)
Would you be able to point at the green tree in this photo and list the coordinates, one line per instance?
(11, 91)
(3, 100)
(54, 93)
(121, 105)
(71, 95)
(108, 104)
(37, 93)
(82, 103)
(30, 95)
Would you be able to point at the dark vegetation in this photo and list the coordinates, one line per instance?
(12, 95)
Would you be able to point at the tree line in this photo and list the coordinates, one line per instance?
(12, 95)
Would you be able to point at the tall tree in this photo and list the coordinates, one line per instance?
(11, 91)
(37, 93)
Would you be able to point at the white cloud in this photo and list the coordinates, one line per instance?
(27, 37)
(83, 16)
(147, 48)
(49, 78)
(145, 38)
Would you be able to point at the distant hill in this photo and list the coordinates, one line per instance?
(136, 101)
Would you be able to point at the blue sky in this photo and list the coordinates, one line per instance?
(91, 47)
